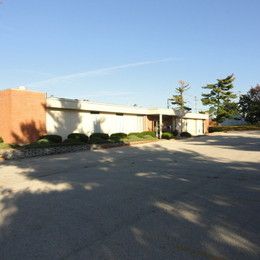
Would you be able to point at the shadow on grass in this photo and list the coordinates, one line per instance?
(130, 202)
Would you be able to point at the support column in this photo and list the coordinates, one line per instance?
(160, 126)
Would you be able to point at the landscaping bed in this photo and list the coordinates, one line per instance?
(53, 144)
(13, 154)
(9, 154)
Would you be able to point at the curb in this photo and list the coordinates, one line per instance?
(15, 154)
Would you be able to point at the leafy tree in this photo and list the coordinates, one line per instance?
(220, 99)
(178, 100)
(249, 105)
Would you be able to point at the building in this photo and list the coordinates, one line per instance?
(25, 115)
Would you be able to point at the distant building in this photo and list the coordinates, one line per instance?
(238, 120)
(25, 115)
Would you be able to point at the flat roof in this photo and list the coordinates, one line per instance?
(85, 105)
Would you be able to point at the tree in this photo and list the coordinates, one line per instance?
(249, 105)
(220, 99)
(178, 100)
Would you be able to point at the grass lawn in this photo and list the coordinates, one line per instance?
(5, 146)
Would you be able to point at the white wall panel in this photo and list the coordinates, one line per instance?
(64, 122)
(193, 126)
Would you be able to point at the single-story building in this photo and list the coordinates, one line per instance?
(25, 115)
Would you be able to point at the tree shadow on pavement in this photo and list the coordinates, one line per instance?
(145, 202)
(244, 142)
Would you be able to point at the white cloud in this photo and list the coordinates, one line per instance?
(97, 72)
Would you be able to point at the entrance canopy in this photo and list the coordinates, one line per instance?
(167, 122)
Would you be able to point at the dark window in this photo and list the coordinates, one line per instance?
(119, 114)
(94, 112)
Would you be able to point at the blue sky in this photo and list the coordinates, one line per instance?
(128, 52)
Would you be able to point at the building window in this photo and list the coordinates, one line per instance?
(94, 112)
(119, 114)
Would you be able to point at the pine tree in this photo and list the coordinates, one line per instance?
(178, 100)
(220, 99)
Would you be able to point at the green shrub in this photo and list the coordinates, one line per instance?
(233, 128)
(45, 143)
(142, 134)
(213, 129)
(72, 141)
(175, 132)
(97, 140)
(118, 136)
(1, 140)
(41, 143)
(151, 133)
(78, 137)
(135, 134)
(148, 137)
(5, 146)
(100, 136)
(52, 138)
(167, 135)
(185, 134)
(131, 138)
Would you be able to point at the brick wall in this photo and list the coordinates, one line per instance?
(206, 126)
(148, 123)
(22, 117)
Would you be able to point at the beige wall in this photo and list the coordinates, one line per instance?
(64, 116)
(193, 126)
(64, 122)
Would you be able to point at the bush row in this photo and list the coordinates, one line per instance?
(99, 138)
(185, 134)
(170, 135)
(95, 138)
(233, 128)
(167, 135)
(143, 134)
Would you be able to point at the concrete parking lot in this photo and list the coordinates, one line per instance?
(197, 198)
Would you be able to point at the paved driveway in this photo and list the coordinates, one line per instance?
(190, 199)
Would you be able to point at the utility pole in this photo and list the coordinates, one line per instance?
(168, 103)
(195, 104)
